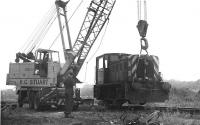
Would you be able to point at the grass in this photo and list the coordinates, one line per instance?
(179, 119)
(183, 97)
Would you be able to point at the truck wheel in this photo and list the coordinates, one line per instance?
(142, 103)
(30, 104)
(36, 102)
(30, 101)
(75, 107)
(20, 103)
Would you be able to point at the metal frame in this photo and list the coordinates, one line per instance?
(97, 15)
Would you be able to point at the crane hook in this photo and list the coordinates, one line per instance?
(145, 45)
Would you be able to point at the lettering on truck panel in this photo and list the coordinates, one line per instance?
(33, 82)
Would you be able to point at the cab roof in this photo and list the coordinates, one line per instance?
(45, 50)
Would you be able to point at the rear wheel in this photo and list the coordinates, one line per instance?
(75, 107)
(20, 99)
(142, 103)
(20, 103)
(36, 103)
(30, 100)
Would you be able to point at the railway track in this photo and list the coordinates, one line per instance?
(190, 110)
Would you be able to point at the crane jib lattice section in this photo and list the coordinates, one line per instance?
(97, 15)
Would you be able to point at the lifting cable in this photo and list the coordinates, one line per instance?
(101, 41)
(39, 29)
(30, 38)
(75, 10)
(56, 38)
(44, 30)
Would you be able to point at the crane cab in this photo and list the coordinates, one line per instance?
(40, 72)
(46, 61)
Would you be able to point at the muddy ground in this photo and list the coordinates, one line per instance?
(88, 116)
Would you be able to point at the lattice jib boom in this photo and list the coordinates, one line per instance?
(97, 15)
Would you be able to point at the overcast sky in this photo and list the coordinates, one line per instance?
(173, 33)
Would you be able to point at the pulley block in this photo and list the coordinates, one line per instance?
(142, 27)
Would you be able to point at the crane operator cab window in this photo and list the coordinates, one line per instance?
(43, 57)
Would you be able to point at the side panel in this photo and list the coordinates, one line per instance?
(53, 69)
(27, 82)
(23, 74)
(111, 92)
(146, 92)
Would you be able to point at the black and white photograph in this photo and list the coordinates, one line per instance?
(100, 62)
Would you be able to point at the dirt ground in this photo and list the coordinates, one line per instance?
(25, 116)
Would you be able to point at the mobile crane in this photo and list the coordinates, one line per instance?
(39, 77)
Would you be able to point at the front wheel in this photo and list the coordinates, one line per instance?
(75, 107)
(20, 99)
(20, 104)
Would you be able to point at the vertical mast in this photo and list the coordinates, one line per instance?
(62, 5)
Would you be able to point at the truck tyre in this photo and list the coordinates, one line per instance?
(30, 100)
(20, 103)
(75, 107)
(36, 102)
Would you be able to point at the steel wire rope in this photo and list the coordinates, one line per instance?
(44, 34)
(145, 10)
(139, 9)
(46, 22)
(101, 41)
(75, 10)
(56, 38)
(43, 29)
(34, 33)
(23, 48)
(39, 36)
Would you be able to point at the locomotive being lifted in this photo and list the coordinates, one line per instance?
(134, 79)
(129, 78)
